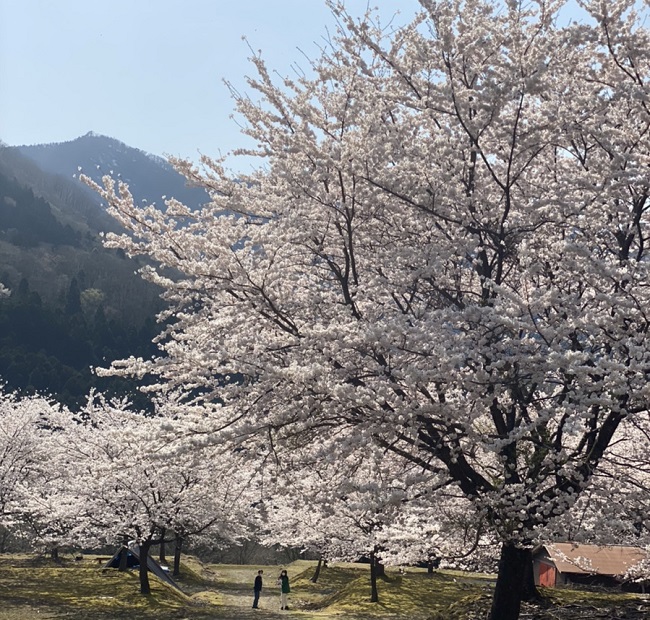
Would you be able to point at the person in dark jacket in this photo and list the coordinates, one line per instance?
(257, 588)
(283, 582)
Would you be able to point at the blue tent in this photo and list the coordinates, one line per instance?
(133, 561)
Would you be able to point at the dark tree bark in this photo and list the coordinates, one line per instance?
(529, 589)
(314, 579)
(55, 554)
(506, 603)
(432, 564)
(161, 555)
(374, 594)
(145, 586)
(124, 556)
(178, 547)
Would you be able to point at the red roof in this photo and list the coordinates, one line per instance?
(581, 559)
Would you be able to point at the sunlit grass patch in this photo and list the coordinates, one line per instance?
(344, 589)
(595, 598)
(207, 597)
(238, 576)
(193, 574)
(85, 587)
(333, 584)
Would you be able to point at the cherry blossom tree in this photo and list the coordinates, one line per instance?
(342, 509)
(444, 256)
(49, 512)
(613, 509)
(24, 452)
(32, 505)
(440, 530)
(131, 480)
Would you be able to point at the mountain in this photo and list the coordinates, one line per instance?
(49, 233)
(71, 202)
(150, 178)
(73, 304)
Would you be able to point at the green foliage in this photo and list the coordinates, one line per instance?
(49, 349)
(27, 220)
(73, 305)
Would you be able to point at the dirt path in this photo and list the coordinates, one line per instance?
(237, 604)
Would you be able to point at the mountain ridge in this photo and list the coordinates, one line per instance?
(73, 304)
(150, 177)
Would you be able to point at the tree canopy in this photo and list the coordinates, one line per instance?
(442, 258)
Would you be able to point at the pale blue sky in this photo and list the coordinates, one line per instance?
(147, 72)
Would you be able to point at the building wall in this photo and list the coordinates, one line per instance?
(545, 574)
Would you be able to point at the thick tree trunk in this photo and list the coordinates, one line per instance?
(145, 587)
(374, 594)
(529, 591)
(55, 554)
(178, 546)
(510, 583)
(4, 537)
(314, 579)
(161, 555)
(124, 556)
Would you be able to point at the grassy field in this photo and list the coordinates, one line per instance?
(36, 588)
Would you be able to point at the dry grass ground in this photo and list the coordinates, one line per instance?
(36, 588)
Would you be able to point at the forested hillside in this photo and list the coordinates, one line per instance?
(73, 304)
(70, 201)
(27, 220)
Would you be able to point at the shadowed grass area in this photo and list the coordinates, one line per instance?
(580, 604)
(568, 596)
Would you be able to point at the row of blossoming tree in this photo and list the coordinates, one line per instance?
(109, 475)
(430, 300)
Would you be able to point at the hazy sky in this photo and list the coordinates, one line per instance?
(147, 72)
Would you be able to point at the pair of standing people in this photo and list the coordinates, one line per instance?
(283, 582)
